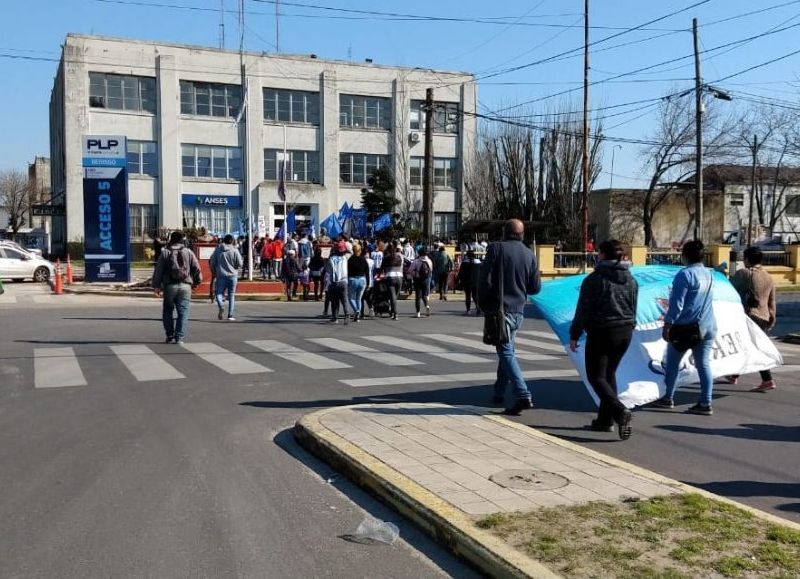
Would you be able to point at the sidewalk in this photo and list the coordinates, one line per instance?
(446, 467)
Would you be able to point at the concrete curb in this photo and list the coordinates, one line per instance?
(445, 523)
(449, 525)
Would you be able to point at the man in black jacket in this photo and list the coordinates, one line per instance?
(521, 278)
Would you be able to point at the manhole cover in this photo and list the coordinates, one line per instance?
(537, 480)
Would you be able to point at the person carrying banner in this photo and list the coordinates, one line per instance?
(176, 273)
(513, 263)
(690, 325)
(606, 311)
(757, 290)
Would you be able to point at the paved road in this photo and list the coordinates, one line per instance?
(162, 460)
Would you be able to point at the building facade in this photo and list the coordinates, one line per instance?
(39, 184)
(191, 163)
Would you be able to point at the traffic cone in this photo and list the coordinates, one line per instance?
(69, 271)
(58, 287)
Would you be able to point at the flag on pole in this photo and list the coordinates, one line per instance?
(291, 222)
(382, 222)
(282, 182)
(344, 212)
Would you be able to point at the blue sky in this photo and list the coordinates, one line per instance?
(526, 31)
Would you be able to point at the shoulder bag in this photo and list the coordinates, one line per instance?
(686, 336)
(495, 328)
(750, 298)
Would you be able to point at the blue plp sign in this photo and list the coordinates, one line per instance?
(105, 209)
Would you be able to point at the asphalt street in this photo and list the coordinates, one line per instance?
(162, 461)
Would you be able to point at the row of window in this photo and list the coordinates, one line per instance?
(225, 163)
(138, 93)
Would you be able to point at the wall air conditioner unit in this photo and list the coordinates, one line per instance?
(415, 136)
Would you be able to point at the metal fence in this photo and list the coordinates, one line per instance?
(777, 258)
(664, 258)
(574, 259)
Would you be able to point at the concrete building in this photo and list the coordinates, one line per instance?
(40, 188)
(776, 208)
(191, 164)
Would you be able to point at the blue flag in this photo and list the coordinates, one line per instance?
(331, 225)
(344, 212)
(382, 222)
(359, 218)
(291, 222)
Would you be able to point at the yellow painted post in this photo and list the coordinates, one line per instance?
(546, 257)
(794, 260)
(638, 254)
(720, 254)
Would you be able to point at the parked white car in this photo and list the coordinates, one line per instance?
(18, 265)
(14, 244)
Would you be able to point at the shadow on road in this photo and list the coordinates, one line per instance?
(752, 488)
(769, 432)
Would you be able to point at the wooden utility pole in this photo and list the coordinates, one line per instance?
(585, 197)
(427, 176)
(752, 192)
(277, 28)
(542, 147)
(698, 173)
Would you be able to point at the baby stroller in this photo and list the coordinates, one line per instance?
(381, 299)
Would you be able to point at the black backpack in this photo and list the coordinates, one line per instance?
(178, 270)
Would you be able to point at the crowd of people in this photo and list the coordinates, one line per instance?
(359, 278)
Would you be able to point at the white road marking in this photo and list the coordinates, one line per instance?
(223, 359)
(293, 354)
(787, 369)
(370, 354)
(421, 348)
(540, 334)
(144, 364)
(787, 348)
(463, 378)
(530, 343)
(7, 298)
(56, 367)
(476, 345)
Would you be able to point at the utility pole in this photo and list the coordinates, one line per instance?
(698, 172)
(277, 28)
(752, 192)
(585, 197)
(542, 146)
(222, 24)
(427, 176)
(244, 134)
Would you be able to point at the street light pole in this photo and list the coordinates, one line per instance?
(698, 173)
(613, 150)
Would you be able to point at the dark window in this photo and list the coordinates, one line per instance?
(123, 93)
(291, 106)
(210, 99)
(365, 112)
(357, 168)
(444, 172)
(445, 117)
(303, 166)
(142, 158)
(213, 163)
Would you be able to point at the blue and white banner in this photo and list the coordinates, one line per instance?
(382, 222)
(741, 347)
(105, 209)
(359, 218)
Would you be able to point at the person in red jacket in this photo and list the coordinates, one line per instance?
(266, 259)
(277, 257)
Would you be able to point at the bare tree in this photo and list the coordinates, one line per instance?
(670, 160)
(14, 197)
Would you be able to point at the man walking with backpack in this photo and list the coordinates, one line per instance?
(176, 273)
(420, 271)
(226, 261)
(442, 266)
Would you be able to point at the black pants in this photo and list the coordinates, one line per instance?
(468, 297)
(339, 296)
(442, 279)
(394, 284)
(604, 351)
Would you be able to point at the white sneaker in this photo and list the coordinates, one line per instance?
(428, 311)
(231, 319)
(417, 316)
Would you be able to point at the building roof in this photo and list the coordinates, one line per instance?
(717, 176)
(283, 56)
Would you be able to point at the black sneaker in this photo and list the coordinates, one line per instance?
(169, 340)
(663, 402)
(701, 410)
(598, 426)
(518, 406)
(624, 422)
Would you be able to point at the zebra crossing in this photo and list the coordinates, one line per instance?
(56, 367)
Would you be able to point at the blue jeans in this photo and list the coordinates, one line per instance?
(355, 292)
(177, 296)
(226, 283)
(508, 370)
(702, 361)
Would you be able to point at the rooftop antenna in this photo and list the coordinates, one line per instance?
(221, 24)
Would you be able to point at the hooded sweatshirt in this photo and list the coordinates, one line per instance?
(608, 299)
(226, 261)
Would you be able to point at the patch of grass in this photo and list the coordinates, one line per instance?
(493, 520)
(735, 566)
(667, 537)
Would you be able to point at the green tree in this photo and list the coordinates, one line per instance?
(380, 197)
